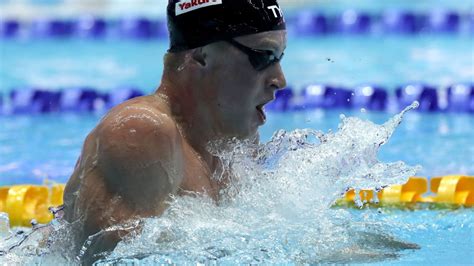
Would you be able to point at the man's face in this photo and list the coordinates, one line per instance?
(237, 91)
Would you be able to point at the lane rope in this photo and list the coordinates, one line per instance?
(303, 23)
(455, 98)
(27, 203)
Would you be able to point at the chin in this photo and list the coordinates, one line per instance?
(241, 129)
(255, 137)
(241, 134)
(252, 133)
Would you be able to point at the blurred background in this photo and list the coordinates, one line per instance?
(64, 63)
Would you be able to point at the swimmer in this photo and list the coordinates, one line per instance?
(221, 69)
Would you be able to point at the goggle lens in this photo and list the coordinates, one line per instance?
(260, 59)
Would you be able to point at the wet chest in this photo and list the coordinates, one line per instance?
(197, 175)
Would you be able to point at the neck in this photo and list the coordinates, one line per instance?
(187, 109)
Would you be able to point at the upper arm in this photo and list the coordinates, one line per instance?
(140, 155)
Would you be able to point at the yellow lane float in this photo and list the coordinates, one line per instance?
(457, 190)
(409, 192)
(23, 203)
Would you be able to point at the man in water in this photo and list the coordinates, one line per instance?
(222, 67)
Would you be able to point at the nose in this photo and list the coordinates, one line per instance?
(276, 78)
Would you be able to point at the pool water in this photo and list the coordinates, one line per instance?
(425, 139)
(441, 143)
(286, 204)
(285, 218)
(444, 237)
(439, 60)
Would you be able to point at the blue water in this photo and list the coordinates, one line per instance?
(445, 237)
(46, 146)
(35, 148)
(287, 216)
(439, 60)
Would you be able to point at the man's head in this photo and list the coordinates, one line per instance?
(232, 48)
(195, 23)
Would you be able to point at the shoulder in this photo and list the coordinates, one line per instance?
(141, 123)
(137, 120)
(138, 141)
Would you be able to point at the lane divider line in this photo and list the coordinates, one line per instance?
(23, 203)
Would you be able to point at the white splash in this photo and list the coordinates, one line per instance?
(277, 209)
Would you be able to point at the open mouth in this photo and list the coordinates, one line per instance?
(261, 111)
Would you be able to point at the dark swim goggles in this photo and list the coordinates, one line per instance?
(260, 59)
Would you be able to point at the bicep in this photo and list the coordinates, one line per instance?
(139, 157)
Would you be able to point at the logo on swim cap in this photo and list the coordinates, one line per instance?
(186, 6)
(276, 11)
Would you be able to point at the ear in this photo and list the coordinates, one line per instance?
(199, 55)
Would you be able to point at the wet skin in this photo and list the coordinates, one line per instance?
(151, 147)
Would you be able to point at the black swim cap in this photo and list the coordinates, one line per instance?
(195, 23)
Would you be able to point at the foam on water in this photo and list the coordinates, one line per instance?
(276, 207)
